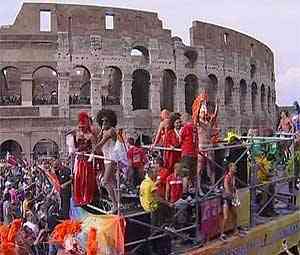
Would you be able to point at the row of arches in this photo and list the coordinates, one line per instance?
(43, 148)
(45, 88)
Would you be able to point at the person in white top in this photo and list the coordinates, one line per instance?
(106, 142)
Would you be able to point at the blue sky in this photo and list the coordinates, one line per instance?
(274, 22)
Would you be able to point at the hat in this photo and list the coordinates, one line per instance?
(83, 119)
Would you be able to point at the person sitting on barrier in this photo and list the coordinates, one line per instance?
(151, 200)
(107, 120)
(229, 195)
(189, 150)
(136, 162)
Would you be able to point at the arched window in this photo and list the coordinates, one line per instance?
(252, 70)
(212, 91)
(10, 86)
(269, 99)
(191, 90)
(44, 86)
(45, 148)
(254, 97)
(12, 147)
(262, 97)
(243, 96)
(113, 85)
(167, 92)
(192, 56)
(229, 86)
(140, 89)
(140, 55)
(80, 86)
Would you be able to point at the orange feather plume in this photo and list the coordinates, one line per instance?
(62, 230)
(197, 105)
(92, 244)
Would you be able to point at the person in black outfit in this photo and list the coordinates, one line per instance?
(64, 176)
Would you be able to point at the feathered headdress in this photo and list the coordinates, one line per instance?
(62, 230)
(92, 244)
(8, 237)
(83, 119)
(199, 105)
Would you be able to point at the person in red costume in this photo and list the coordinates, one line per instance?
(84, 173)
(164, 122)
(171, 140)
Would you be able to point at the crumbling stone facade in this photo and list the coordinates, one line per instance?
(93, 57)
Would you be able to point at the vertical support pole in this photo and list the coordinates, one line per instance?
(118, 189)
(252, 178)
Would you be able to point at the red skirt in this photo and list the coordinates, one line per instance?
(84, 182)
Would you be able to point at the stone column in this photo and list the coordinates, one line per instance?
(180, 95)
(126, 94)
(96, 100)
(221, 97)
(155, 95)
(63, 94)
(26, 89)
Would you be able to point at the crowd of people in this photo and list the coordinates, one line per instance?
(45, 100)
(41, 194)
(28, 195)
(10, 100)
(77, 99)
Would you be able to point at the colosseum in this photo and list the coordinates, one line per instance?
(56, 60)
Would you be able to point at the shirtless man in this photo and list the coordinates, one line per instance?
(286, 124)
(206, 130)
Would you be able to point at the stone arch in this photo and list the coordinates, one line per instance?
(140, 55)
(10, 86)
(229, 88)
(191, 90)
(11, 146)
(140, 89)
(45, 148)
(243, 96)
(269, 100)
(80, 85)
(113, 84)
(167, 92)
(192, 56)
(254, 93)
(212, 91)
(263, 97)
(44, 86)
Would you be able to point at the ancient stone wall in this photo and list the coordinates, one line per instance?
(93, 57)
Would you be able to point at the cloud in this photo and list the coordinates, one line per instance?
(288, 86)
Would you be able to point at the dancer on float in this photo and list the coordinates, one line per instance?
(164, 122)
(296, 121)
(286, 124)
(106, 141)
(229, 196)
(84, 173)
(171, 140)
(207, 136)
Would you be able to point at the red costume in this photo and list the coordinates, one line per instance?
(84, 175)
(171, 139)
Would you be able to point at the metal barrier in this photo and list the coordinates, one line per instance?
(252, 184)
